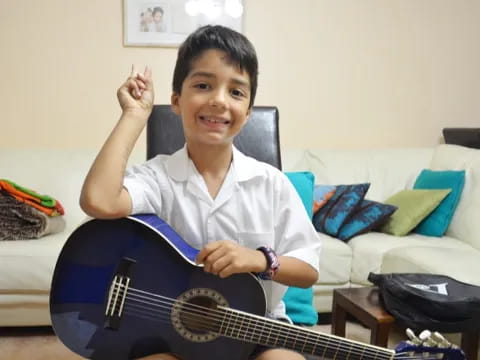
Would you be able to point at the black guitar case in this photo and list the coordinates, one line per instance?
(428, 301)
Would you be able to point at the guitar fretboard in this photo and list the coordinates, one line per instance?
(259, 330)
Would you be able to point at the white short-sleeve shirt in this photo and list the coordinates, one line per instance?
(256, 206)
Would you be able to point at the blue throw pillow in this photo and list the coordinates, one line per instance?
(436, 224)
(368, 216)
(303, 182)
(330, 218)
(299, 301)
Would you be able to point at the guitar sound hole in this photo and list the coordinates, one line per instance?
(198, 315)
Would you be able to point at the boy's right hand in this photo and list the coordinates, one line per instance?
(136, 93)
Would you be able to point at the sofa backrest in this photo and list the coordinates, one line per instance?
(465, 224)
(58, 173)
(387, 170)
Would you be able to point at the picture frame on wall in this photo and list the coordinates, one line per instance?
(166, 23)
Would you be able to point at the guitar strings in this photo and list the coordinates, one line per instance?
(165, 318)
(258, 329)
(198, 316)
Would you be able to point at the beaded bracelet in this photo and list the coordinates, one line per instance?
(272, 263)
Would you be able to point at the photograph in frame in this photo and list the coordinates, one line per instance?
(166, 23)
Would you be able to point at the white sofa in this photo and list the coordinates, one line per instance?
(26, 266)
(456, 254)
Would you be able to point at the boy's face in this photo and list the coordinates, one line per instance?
(215, 98)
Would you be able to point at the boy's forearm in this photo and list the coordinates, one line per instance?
(103, 194)
(295, 272)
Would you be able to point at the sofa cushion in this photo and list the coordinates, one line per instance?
(437, 222)
(27, 265)
(413, 207)
(368, 250)
(368, 216)
(330, 218)
(335, 261)
(460, 264)
(387, 170)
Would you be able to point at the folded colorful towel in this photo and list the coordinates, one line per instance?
(19, 221)
(44, 203)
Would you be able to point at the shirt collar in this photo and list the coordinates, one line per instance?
(244, 167)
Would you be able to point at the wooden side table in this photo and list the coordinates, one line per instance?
(363, 304)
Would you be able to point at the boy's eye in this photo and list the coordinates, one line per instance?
(237, 92)
(202, 86)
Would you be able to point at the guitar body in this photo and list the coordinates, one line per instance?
(161, 276)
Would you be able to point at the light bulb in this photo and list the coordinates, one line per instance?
(233, 8)
(211, 9)
(192, 7)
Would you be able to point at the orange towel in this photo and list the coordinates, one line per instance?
(43, 203)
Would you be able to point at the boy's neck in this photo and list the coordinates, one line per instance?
(213, 160)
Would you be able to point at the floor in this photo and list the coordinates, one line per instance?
(42, 344)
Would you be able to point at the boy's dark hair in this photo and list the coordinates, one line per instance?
(239, 49)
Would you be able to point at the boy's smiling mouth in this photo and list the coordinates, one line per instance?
(213, 120)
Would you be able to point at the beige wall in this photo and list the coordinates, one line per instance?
(344, 73)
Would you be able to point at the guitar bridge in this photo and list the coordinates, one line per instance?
(118, 293)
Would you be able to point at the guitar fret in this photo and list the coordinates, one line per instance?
(240, 327)
(246, 330)
(220, 331)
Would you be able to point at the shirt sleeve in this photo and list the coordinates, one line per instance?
(144, 190)
(295, 234)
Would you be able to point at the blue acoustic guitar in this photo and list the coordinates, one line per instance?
(127, 288)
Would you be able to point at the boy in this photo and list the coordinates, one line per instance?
(240, 212)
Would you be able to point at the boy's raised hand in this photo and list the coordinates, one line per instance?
(136, 94)
(225, 257)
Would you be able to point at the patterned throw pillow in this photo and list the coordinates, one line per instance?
(368, 216)
(321, 195)
(330, 218)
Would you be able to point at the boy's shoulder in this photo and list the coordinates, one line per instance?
(248, 167)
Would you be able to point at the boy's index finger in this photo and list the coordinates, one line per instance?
(134, 71)
(203, 254)
(148, 72)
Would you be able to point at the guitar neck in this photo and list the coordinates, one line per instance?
(259, 330)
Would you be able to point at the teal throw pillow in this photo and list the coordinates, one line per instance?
(299, 301)
(303, 182)
(368, 216)
(341, 206)
(436, 224)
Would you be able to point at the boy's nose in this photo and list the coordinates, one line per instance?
(218, 99)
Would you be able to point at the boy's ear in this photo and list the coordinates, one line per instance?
(174, 99)
(249, 111)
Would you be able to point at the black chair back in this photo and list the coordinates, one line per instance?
(258, 139)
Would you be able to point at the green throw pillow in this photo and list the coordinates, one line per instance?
(413, 207)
